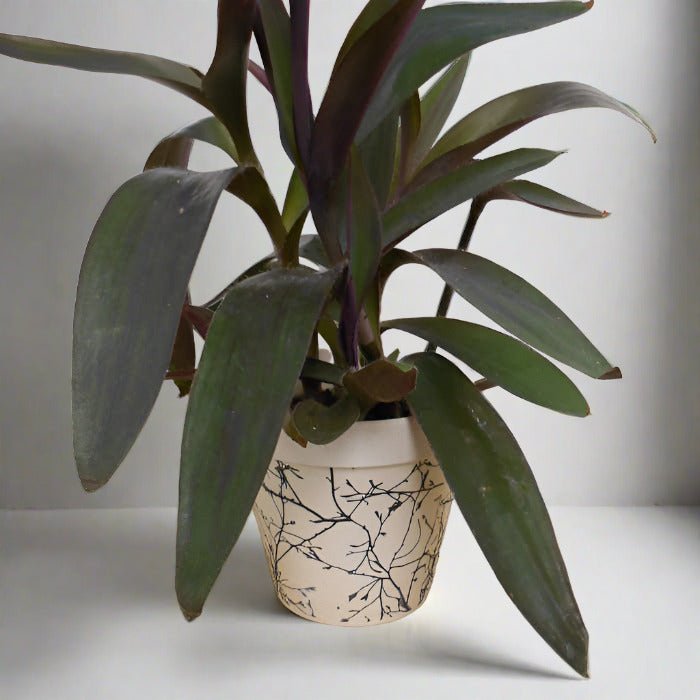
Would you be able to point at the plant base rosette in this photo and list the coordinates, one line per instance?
(352, 531)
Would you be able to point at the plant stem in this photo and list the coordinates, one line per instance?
(478, 204)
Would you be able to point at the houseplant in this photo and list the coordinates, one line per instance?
(370, 168)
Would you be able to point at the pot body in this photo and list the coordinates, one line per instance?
(352, 530)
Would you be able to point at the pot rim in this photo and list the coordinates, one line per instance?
(377, 443)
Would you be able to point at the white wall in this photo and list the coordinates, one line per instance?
(68, 139)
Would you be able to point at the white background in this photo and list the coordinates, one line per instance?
(69, 139)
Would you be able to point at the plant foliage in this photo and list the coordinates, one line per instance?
(371, 167)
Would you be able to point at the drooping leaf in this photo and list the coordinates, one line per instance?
(184, 79)
(365, 228)
(500, 117)
(210, 130)
(338, 118)
(441, 34)
(275, 32)
(501, 359)
(319, 424)
(237, 406)
(434, 198)
(132, 286)
(518, 307)
(544, 198)
(380, 381)
(224, 85)
(436, 107)
(498, 496)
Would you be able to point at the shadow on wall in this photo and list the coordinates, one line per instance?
(676, 399)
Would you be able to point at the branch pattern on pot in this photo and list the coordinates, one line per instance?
(393, 518)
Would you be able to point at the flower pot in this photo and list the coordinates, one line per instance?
(352, 530)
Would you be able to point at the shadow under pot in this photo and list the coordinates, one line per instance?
(352, 530)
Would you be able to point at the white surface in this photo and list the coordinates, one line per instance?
(68, 139)
(87, 611)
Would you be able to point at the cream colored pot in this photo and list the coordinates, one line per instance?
(352, 530)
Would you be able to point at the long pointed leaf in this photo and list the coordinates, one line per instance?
(434, 198)
(178, 76)
(441, 34)
(277, 57)
(132, 286)
(301, 93)
(365, 227)
(504, 115)
(498, 496)
(436, 107)
(502, 360)
(338, 118)
(237, 406)
(378, 153)
(224, 84)
(519, 308)
(544, 198)
(370, 15)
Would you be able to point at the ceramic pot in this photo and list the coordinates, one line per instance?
(352, 530)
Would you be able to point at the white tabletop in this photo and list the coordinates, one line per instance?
(87, 610)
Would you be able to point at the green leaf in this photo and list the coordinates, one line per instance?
(436, 107)
(210, 130)
(423, 204)
(504, 115)
(498, 496)
(410, 127)
(380, 381)
(132, 285)
(378, 152)
(441, 34)
(254, 352)
(544, 198)
(365, 228)
(322, 371)
(338, 118)
(519, 308)
(224, 85)
(296, 201)
(372, 12)
(278, 64)
(319, 424)
(501, 359)
(177, 76)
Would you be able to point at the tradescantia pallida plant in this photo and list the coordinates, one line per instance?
(371, 165)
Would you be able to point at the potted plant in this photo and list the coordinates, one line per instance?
(269, 421)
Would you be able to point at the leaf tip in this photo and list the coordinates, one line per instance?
(614, 373)
(605, 214)
(588, 5)
(190, 615)
(91, 485)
